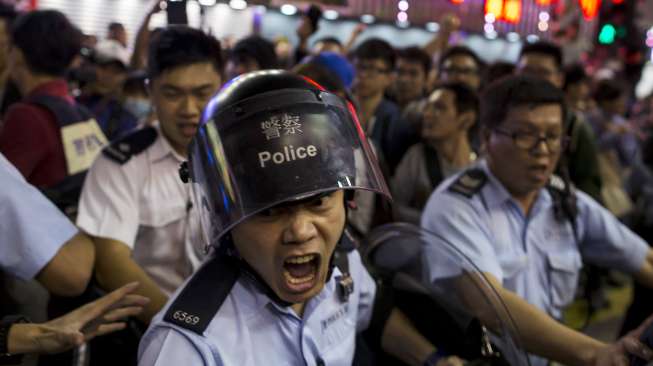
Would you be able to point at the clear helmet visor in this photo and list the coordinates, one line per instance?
(448, 298)
(273, 148)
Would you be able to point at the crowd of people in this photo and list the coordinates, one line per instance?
(186, 202)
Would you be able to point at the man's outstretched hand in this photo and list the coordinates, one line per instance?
(96, 318)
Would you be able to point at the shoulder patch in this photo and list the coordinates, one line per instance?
(121, 150)
(469, 183)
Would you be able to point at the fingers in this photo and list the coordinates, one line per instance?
(96, 308)
(105, 329)
(637, 348)
(122, 313)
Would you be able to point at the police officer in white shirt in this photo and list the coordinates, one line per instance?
(133, 203)
(272, 165)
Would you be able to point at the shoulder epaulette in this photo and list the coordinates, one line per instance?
(469, 183)
(124, 148)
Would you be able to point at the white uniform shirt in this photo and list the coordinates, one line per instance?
(144, 204)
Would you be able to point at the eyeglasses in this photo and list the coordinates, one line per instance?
(529, 141)
(370, 69)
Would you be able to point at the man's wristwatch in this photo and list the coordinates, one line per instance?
(5, 325)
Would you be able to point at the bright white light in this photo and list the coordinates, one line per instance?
(367, 18)
(490, 18)
(649, 33)
(402, 16)
(544, 16)
(288, 9)
(543, 26)
(491, 35)
(532, 38)
(488, 28)
(238, 4)
(404, 24)
(432, 27)
(512, 37)
(261, 9)
(330, 14)
(403, 5)
(207, 2)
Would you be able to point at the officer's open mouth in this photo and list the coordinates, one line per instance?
(301, 269)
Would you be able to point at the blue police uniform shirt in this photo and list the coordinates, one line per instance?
(32, 228)
(250, 329)
(535, 256)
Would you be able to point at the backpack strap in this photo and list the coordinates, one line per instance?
(204, 294)
(121, 150)
(469, 182)
(64, 112)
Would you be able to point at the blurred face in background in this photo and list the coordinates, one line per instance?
(410, 82)
(178, 96)
(540, 65)
(373, 77)
(462, 68)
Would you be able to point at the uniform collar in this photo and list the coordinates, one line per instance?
(57, 87)
(495, 193)
(162, 148)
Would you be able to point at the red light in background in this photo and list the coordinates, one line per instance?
(617, 2)
(590, 8)
(543, 2)
(512, 11)
(494, 7)
(457, 2)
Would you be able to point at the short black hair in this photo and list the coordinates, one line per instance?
(574, 74)
(498, 70)
(257, 48)
(543, 47)
(460, 51)
(333, 40)
(48, 40)
(607, 90)
(180, 45)
(517, 90)
(466, 98)
(114, 26)
(416, 55)
(376, 48)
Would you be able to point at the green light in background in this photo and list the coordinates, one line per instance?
(607, 34)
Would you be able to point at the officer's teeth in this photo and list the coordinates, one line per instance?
(300, 260)
(296, 281)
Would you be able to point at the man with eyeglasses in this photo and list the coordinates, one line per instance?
(460, 63)
(374, 60)
(527, 231)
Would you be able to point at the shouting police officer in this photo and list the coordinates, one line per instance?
(528, 230)
(272, 167)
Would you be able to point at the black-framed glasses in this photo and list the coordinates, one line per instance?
(528, 140)
(452, 70)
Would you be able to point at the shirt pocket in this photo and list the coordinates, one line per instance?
(564, 269)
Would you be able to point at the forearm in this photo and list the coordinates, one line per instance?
(402, 340)
(114, 271)
(544, 336)
(68, 272)
(645, 274)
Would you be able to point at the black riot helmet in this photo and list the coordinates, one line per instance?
(271, 137)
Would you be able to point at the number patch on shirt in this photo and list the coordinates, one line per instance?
(183, 316)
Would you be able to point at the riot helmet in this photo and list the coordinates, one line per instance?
(271, 137)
